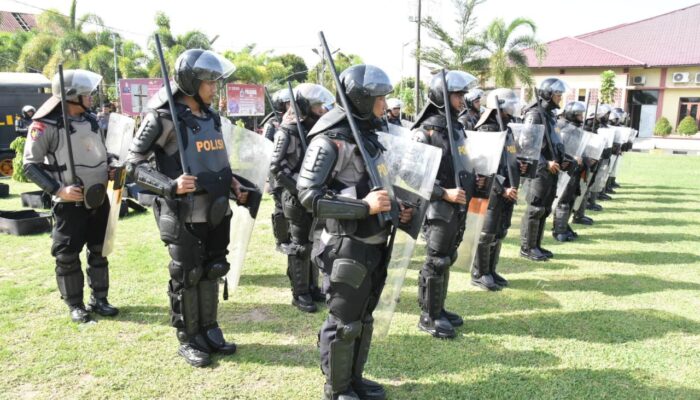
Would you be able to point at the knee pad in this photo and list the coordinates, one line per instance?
(437, 265)
(535, 212)
(348, 332)
(188, 275)
(67, 263)
(487, 238)
(216, 265)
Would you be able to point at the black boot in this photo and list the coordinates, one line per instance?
(603, 196)
(561, 232)
(454, 318)
(299, 273)
(608, 186)
(495, 255)
(193, 355)
(481, 274)
(430, 292)
(341, 360)
(528, 241)
(592, 205)
(316, 293)
(581, 218)
(366, 389)
(102, 307)
(184, 313)
(208, 292)
(79, 314)
(540, 234)
(614, 184)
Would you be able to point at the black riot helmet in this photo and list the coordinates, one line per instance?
(574, 110)
(472, 97)
(196, 65)
(457, 82)
(280, 99)
(308, 95)
(550, 87)
(362, 84)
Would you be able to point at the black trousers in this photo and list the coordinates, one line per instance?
(74, 227)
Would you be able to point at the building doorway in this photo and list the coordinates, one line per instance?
(689, 106)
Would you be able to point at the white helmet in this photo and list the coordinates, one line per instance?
(392, 103)
(508, 101)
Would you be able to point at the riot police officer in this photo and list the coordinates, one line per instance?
(595, 120)
(471, 114)
(271, 122)
(77, 180)
(311, 100)
(446, 216)
(504, 193)
(354, 247)
(393, 111)
(280, 227)
(22, 123)
(562, 231)
(192, 207)
(543, 187)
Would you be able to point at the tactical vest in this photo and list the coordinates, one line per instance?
(89, 158)
(350, 179)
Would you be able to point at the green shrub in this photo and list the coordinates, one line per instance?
(17, 171)
(688, 126)
(663, 127)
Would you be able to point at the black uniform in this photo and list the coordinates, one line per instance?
(393, 120)
(543, 187)
(22, 125)
(469, 118)
(500, 211)
(604, 159)
(444, 224)
(562, 231)
(195, 228)
(286, 164)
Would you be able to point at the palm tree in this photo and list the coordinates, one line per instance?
(172, 45)
(503, 58)
(456, 52)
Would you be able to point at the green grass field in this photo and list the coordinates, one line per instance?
(615, 315)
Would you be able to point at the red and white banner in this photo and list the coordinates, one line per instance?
(244, 100)
(135, 92)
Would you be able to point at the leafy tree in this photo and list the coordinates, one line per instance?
(405, 91)
(607, 87)
(295, 65)
(342, 62)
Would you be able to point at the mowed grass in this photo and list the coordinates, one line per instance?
(614, 315)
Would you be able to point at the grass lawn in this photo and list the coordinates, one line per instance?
(614, 315)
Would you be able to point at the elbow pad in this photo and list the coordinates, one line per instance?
(150, 179)
(36, 174)
(340, 208)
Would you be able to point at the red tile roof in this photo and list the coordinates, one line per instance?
(664, 40)
(8, 22)
(572, 52)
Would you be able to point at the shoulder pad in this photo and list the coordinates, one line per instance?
(160, 99)
(532, 116)
(148, 133)
(327, 121)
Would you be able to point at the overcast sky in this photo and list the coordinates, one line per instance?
(374, 29)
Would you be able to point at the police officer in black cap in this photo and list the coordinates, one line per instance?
(312, 101)
(543, 188)
(192, 209)
(271, 122)
(80, 210)
(333, 184)
(280, 226)
(446, 216)
(471, 114)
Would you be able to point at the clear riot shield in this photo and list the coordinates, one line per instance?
(484, 150)
(528, 145)
(119, 136)
(574, 140)
(412, 168)
(249, 155)
(622, 136)
(594, 150)
(604, 168)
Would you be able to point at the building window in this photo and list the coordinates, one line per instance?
(582, 95)
(644, 97)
